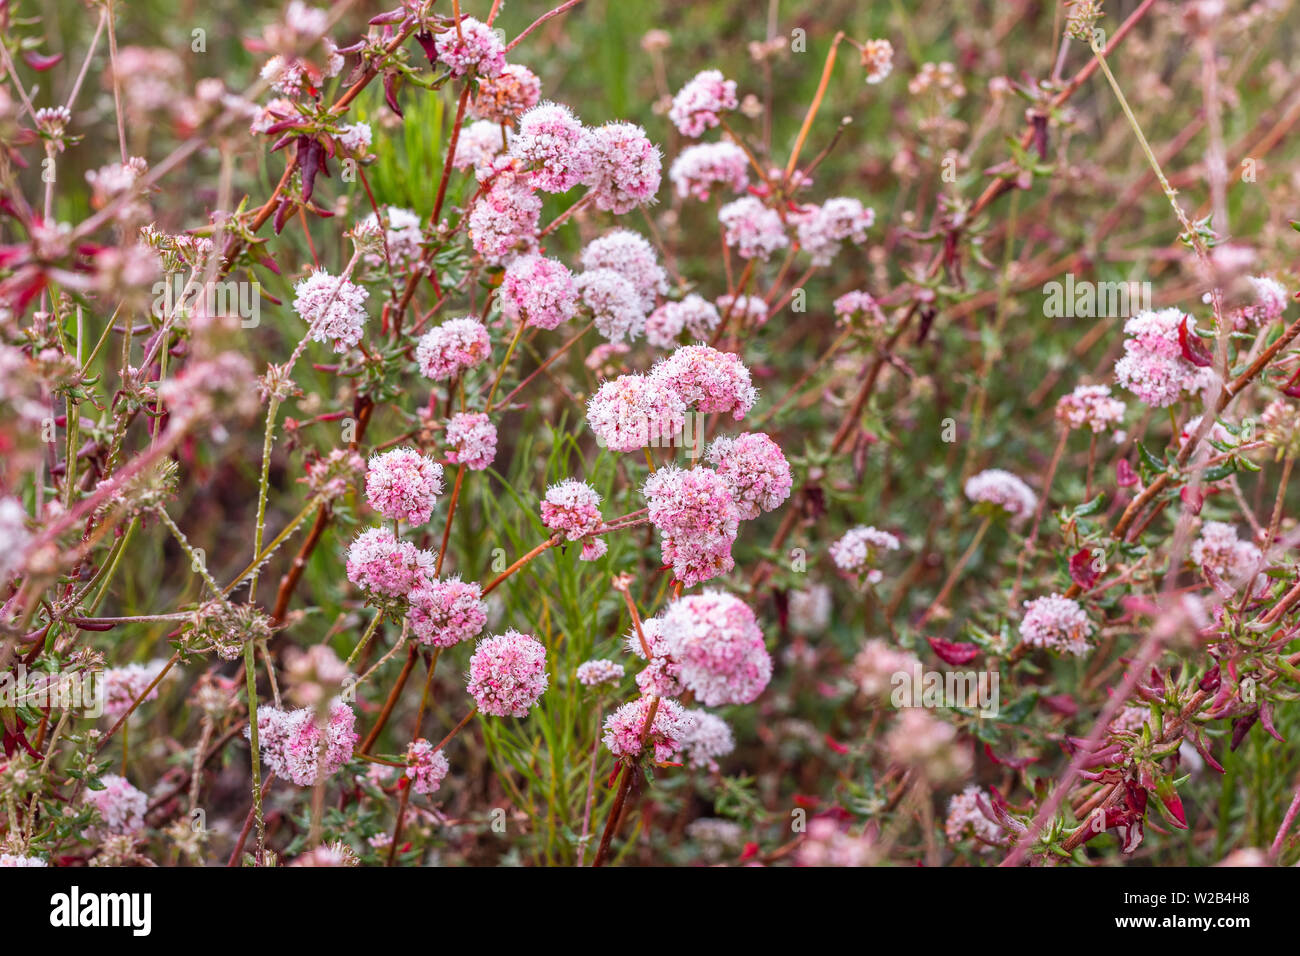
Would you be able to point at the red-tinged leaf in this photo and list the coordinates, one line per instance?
(309, 157)
(1266, 721)
(282, 214)
(806, 801)
(1194, 349)
(1172, 804)
(283, 141)
(1241, 727)
(426, 41)
(1015, 763)
(41, 62)
(951, 652)
(1203, 749)
(1062, 704)
(1210, 682)
(268, 262)
(282, 126)
(1083, 568)
(835, 745)
(1124, 474)
(749, 852)
(392, 16)
(1193, 499)
(392, 83)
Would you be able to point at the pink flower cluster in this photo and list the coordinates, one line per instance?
(716, 641)
(1056, 623)
(1003, 490)
(614, 303)
(753, 229)
(661, 676)
(822, 228)
(403, 485)
(632, 411)
(473, 440)
(1220, 551)
(384, 566)
(573, 507)
(538, 291)
(442, 613)
(120, 805)
(693, 314)
(1090, 406)
(123, 686)
(507, 674)
(297, 746)
(593, 673)
(1153, 366)
(755, 471)
(554, 146)
(666, 732)
(858, 549)
(708, 740)
(333, 308)
(426, 767)
(471, 46)
(505, 96)
(626, 168)
(709, 380)
(503, 223)
(700, 169)
(454, 347)
(632, 257)
(699, 104)
(697, 519)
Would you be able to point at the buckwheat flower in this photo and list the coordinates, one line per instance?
(355, 138)
(402, 237)
(478, 145)
(442, 613)
(1280, 425)
(1271, 300)
(631, 256)
(876, 665)
(1153, 367)
(708, 379)
(336, 854)
(697, 521)
(471, 46)
(669, 727)
(810, 609)
(751, 310)
(752, 229)
(14, 536)
(507, 674)
(877, 59)
(704, 167)
(822, 228)
(1003, 490)
(661, 677)
(452, 348)
(708, 740)
(14, 859)
(1217, 432)
(120, 806)
(573, 507)
(626, 168)
(52, 122)
(1090, 406)
(754, 469)
(614, 302)
(828, 843)
(333, 308)
(503, 222)
(966, 819)
(699, 104)
(857, 304)
(503, 97)
(1219, 550)
(1130, 720)
(928, 745)
(858, 549)
(1056, 623)
(379, 563)
(427, 767)
(716, 832)
(606, 359)
(302, 746)
(285, 76)
(403, 485)
(332, 476)
(716, 640)
(693, 314)
(123, 686)
(593, 673)
(473, 440)
(554, 145)
(593, 549)
(631, 412)
(539, 291)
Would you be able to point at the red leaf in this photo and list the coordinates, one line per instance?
(951, 652)
(1125, 475)
(835, 745)
(1193, 349)
(41, 62)
(1083, 568)
(1193, 500)
(1015, 763)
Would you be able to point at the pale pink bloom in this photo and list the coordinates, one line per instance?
(606, 358)
(614, 303)
(810, 609)
(710, 380)
(857, 303)
(472, 47)
(876, 664)
(705, 166)
(750, 310)
(402, 237)
(1090, 406)
(403, 485)
(503, 97)
(427, 767)
(120, 806)
(573, 507)
(503, 222)
(1003, 490)
(858, 549)
(333, 308)
(692, 314)
(716, 641)
(593, 549)
(1130, 720)
(877, 59)
(507, 674)
(478, 145)
(827, 843)
(593, 673)
(822, 228)
(381, 564)
(632, 412)
(1153, 367)
(752, 229)
(928, 745)
(123, 686)
(670, 725)
(1271, 300)
(626, 167)
(540, 291)
(754, 469)
(355, 138)
(443, 613)
(456, 346)
(661, 677)
(298, 746)
(554, 146)
(1056, 623)
(14, 536)
(473, 440)
(1219, 550)
(965, 818)
(699, 104)
(708, 740)
(697, 519)
(1217, 432)
(632, 257)
(15, 860)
